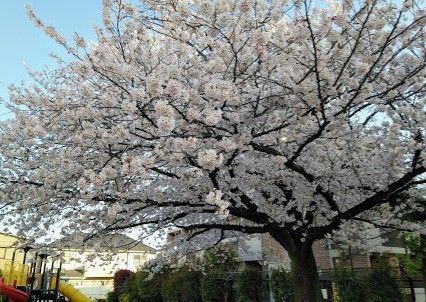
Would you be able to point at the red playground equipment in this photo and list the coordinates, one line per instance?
(14, 275)
(36, 283)
(13, 293)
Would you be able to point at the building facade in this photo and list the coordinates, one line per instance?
(89, 269)
(8, 251)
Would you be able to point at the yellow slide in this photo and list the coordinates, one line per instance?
(73, 294)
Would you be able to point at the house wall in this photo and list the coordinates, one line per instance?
(7, 248)
(96, 266)
(361, 261)
(96, 292)
(273, 253)
(250, 248)
(93, 273)
(98, 270)
(322, 255)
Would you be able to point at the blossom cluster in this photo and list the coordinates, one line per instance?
(271, 112)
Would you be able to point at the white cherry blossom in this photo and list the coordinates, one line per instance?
(224, 117)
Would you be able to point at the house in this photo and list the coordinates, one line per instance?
(86, 266)
(269, 254)
(264, 252)
(8, 251)
(90, 268)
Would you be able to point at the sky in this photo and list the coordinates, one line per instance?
(21, 43)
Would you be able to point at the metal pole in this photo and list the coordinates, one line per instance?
(49, 284)
(14, 254)
(30, 273)
(43, 276)
(34, 267)
(58, 276)
(26, 250)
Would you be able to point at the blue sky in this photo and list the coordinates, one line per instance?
(21, 42)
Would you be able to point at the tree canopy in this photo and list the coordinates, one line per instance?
(282, 117)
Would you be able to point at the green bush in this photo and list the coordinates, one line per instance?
(349, 285)
(383, 286)
(182, 285)
(221, 258)
(141, 288)
(249, 285)
(112, 297)
(219, 265)
(216, 286)
(281, 285)
(124, 297)
(412, 260)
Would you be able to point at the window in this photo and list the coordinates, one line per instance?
(138, 260)
(336, 261)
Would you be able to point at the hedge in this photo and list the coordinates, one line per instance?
(383, 286)
(350, 286)
(249, 285)
(182, 285)
(281, 285)
(142, 288)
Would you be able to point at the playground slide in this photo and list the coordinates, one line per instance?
(15, 294)
(73, 294)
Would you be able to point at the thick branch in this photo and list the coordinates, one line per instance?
(369, 203)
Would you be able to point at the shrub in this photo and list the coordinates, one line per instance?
(141, 288)
(412, 260)
(281, 285)
(349, 285)
(183, 285)
(383, 286)
(249, 285)
(124, 297)
(121, 278)
(221, 258)
(112, 297)
(217, 284)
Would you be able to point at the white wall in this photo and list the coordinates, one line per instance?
(96, 292)
(102, 265)
(250, 248)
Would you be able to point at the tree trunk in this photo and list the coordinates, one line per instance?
(422, 248)
(305, 275)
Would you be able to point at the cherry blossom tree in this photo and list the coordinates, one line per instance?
(222, 117)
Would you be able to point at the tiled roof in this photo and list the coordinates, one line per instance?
(114, 241)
